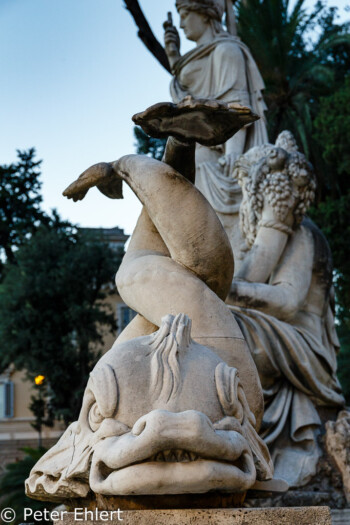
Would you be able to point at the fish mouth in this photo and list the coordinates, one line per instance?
(163, 456)
(174, 456)
(172, 453)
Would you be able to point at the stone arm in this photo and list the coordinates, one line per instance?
(268, 246)
(263, 256)
(288, 286)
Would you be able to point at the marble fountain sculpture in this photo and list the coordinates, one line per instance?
(176, 405)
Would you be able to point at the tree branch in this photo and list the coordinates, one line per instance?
(145, 33)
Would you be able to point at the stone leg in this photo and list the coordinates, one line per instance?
(178, 221)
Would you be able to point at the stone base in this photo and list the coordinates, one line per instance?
(209, 500)
(272, 516)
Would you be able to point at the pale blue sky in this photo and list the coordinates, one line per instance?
(73, 72)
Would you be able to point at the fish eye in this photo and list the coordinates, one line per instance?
(95, 417)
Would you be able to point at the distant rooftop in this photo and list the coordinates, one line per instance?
(110, 235)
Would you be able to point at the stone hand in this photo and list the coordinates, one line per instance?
(97, 175)
(227, 162)
(235, 291)
(171, 40)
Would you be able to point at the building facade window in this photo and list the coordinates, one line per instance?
(6, 399)
(124, 316)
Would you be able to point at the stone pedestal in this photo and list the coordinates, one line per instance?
(271, 516)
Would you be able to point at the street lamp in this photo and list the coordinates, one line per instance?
(39, 382)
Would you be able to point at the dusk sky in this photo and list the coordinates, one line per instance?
(73, 72)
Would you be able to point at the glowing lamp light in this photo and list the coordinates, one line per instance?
(38, 380)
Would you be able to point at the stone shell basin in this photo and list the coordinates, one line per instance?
(206, 121)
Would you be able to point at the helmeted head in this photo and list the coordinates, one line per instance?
(204, 12)
(211, 8)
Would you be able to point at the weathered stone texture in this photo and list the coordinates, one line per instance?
(276, 516)
(338, 447)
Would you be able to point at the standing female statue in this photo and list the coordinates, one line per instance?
(219, 67)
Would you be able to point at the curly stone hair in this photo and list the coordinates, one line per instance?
(285, 179)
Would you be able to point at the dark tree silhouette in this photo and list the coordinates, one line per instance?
(145, 33)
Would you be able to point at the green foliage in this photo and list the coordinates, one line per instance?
(52, 320)
(41, 407)
(20, 200)
(344, 360)
(332, 132)
(332, 127)
(333, 216)
(147, 145)
(333, 135)
(12, 485)
(298, 67)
